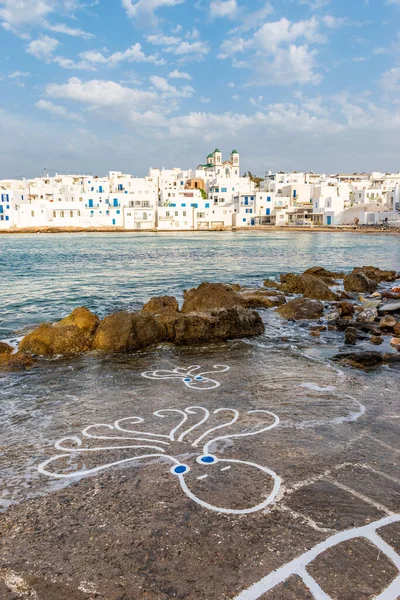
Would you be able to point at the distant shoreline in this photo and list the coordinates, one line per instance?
(267, 228)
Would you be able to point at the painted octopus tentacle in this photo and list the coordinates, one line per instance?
(158, 413)
(232, 422)
(192, 410)
(246, 434)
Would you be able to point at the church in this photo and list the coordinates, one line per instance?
(215, 167)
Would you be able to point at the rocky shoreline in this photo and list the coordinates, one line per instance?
(364, 304)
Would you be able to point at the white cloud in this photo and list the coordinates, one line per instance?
(273, 34)
(179, 75)
(252, 20)
(62, 28)
(161, 84)
(390, 81)
(144, 10)
(223, 8)
(102, 93)
(17, 14)
(132, 54)
(333, 22)
(43, 48)
(21, 16)
(186, 46)
(58, 111)
(17, 74)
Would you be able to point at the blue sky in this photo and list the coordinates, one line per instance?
(99, 85)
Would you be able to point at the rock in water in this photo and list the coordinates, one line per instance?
(6, 348)
(302, 308)
(270, 283)
(309, 286)
(161, 304)
(376, 274)
(358, 282)
(396, 329)
(361, 360)
(328, 277)
(217, 325)
(16, 362)
(387, 321)
(165, 310)
(262, 298)
(351, 336)
(83, 319)
(346, 309)
(395, 341)
(54, 340)
(127, 332)
(211, 296)
(390, 307)
(367, 316)
(377, 340)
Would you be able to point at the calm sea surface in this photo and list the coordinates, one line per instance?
(44, 277)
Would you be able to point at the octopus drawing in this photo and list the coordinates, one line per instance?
(224, 485)
(190, 376)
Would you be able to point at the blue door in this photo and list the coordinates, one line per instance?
(115, 202)
(268, 212)
(100, 189)
(253, 221)
(329, 220)
(90, 203)
(113, 221)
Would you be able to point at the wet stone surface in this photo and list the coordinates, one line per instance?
(185, 516)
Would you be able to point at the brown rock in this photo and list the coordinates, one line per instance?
(361, 360)
(53, 340)
(211, 296)
(309, 286)
(161, 304)
(396, 329)
(346, 309)
(83, 319)
(376, 274)
(217, 325)
(15, 362)
(316, 334)
(328, 277)
(367, 316)
(359, 282)
(6, 348)
(387, 321)
(165, 310)
(377, 340)
(270, 283)
(395, 341)
(351, 336)
(262, 298)
(302, 308)
(126, 332)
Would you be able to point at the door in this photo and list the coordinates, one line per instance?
(329, 220)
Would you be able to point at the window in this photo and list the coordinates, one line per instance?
(183, 205)
(71, 213)
(224, 189)
(118, 212)
(54, 214)
(268, 198)
(207, 205)
(7, 218)
(176, 213)
(184, 213)
(244, 220)
(194, 205)
(32, 213)
(61, 213)
(201, 215)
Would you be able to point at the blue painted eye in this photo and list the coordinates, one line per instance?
(198, 378)
(187, 379)
(208, 460)
(180, 469)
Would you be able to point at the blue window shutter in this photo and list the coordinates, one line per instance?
(244, 220)
(207, 205)
(8, 218)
